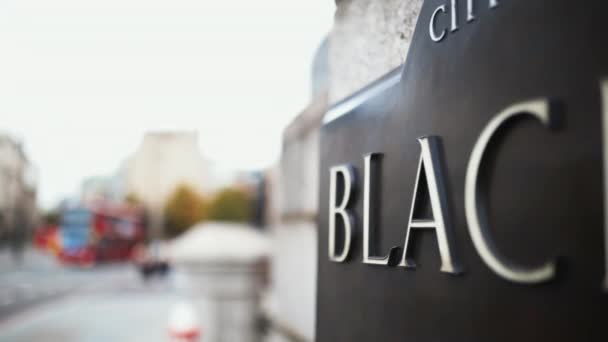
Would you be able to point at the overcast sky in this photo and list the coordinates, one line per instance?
(82, 80)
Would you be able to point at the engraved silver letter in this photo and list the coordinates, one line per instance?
(430, 167)
(604, 90)
(454, 16)
(475, 208)
(434, 35)
(371, 173)
(470, 11)
(348, 175)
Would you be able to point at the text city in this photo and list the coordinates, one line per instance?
(454, 22)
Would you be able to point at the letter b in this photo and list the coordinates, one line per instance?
(339, 211)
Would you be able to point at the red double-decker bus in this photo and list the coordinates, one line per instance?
(103, 232)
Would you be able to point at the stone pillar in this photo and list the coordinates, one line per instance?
(222, 270)
(369, 38)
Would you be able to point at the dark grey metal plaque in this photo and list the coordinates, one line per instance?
(475, 182)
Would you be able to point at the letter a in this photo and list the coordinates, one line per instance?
(430, 169)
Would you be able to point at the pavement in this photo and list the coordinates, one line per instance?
(41, 300)
(93, 317)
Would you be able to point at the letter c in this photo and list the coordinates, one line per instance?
(436, 38)
(475, 208)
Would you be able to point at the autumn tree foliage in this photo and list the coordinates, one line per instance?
(184, 208)
(230, 204)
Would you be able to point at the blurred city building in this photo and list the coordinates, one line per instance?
(99, 188)
(163, 161)
(18, 183)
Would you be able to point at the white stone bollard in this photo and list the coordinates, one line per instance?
(221, 266)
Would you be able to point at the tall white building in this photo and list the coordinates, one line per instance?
(163, 161)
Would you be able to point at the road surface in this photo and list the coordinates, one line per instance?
(41, 300)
